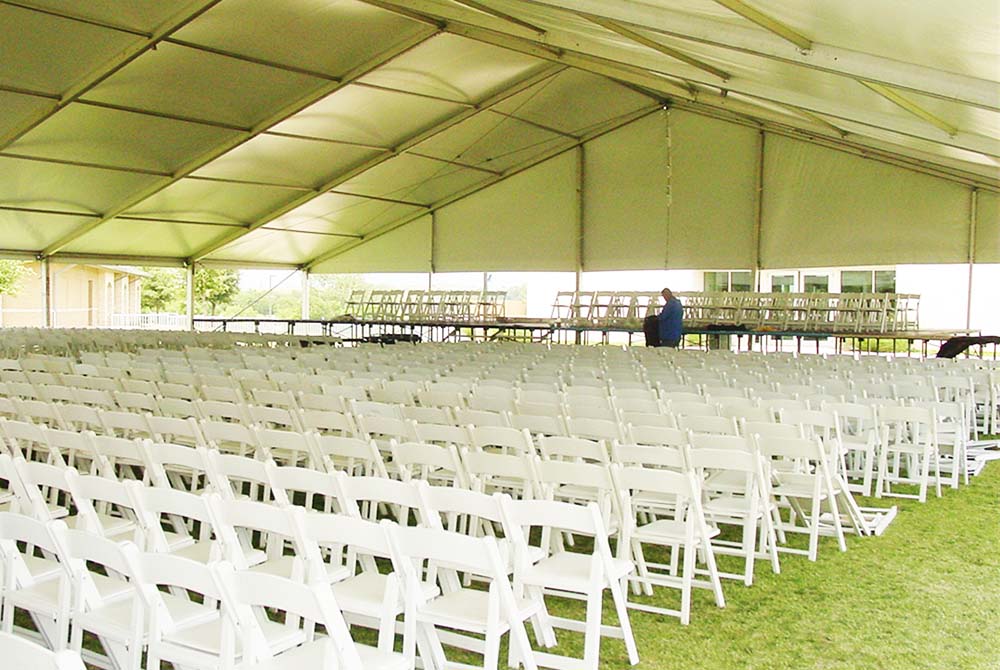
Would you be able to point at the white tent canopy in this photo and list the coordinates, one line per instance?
(455, 135)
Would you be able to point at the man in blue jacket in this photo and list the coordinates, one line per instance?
(671, 320)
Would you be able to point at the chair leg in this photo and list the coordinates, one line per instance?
(924, 472)
(713, 572)
(883, 465)
(592, 634)
(749, 550)
(621, 608)
(814, 529)
(937, 470)
(869, 465)
(687, 577)
(643, 570)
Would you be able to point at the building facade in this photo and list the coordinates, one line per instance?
(81, 296)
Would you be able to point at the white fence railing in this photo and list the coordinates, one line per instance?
(150, 321)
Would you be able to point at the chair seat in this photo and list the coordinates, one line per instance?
(114, 620)
(732, 506)
(669, 531)
(207, 637)
(797, 489)
(566, 571)
(41, 568)
(113, 526)
(465, 609)
(110, 588)
(726, 481)
(364, 593)
(202, 551)
(907, 448)
(315, 655)
(284, 566)
(41, 597)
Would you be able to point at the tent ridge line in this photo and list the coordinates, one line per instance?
(521, 84)
(28, 92)
(252, 59)
(621, 122)
(84, 164)
(195, 120)
(76, 18)
(42, 210)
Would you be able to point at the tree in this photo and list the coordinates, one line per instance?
(215, 287)
(330, 293)
(162, 290)
(12, 275)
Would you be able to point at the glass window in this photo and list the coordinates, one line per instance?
(716, 281)
(885, 281)
(815, 283)
(782, 283)
(856, 281)
(740, 282)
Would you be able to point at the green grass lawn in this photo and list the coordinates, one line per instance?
(926, 594)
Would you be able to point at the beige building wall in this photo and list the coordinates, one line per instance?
(82, 296)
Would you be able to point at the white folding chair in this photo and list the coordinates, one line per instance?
(371, 596)
(490, 613)
(909, 439)
(252, 596)
(686, 533)
(38, 585)
(572, 574)
(189, 631)
(492, 472)
(104, 507)
(797, 470)
(327, 422)
(352, 455)
(178, 522)
(249, 528)
(104, 602)
(235, 476)
(749, 509)
(434, 463)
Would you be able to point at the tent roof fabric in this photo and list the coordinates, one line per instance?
(278, 133)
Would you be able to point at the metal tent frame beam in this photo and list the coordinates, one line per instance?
(217, 151)
(910, 106)
(650, 73)
(638, 38)
(455, 197)
(176, 22)
(413, 140)
(821, 57)
(767, 23)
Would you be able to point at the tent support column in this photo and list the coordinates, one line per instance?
(46, 292)
(580, 161)
(758, 214)
(430, 272)
(189, 295)
(305, 294)
(973, 216)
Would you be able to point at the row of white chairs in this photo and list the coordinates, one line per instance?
(852, 312)
(367, 596)
(443, 424)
